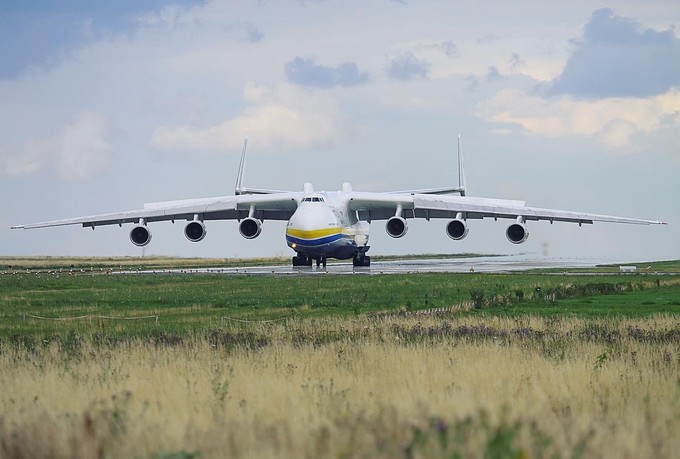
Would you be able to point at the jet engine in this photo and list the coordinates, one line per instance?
(195, 231)
(140, 235)
(250, 228)
(396, 227)
(457, 229)
(517, 233)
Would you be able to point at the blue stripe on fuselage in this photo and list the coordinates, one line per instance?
(339, 246)
(315, 242)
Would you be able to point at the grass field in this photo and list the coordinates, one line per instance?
(192, 303)
(427, 365)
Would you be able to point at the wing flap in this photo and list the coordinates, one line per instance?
(379, 201)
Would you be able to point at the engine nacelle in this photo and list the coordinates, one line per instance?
(195, 231)
(396, 227)
(457, 229)
(140, 235)
(250, 228)
(517, 233)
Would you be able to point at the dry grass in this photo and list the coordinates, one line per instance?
(153, 262)
(394, 387)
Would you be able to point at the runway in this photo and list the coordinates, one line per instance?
(495, 264)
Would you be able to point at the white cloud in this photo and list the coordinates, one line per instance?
(281, 119)
(446, 59)
(78, 151)
(611, 121)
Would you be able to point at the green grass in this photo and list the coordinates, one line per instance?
(188, 304)
(662, 300)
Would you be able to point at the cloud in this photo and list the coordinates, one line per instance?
(305, 72)
(79, 151)
(283, 119)
(621, 82)
(613, 121)
(493, 75)
(42, 32)
(407, 66)
(252, 33)
(515, 62)
(447, 47)
(488, 39)
(617, 57)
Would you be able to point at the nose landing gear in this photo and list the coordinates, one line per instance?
(305, 260)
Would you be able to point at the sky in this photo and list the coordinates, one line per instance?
(105, 106)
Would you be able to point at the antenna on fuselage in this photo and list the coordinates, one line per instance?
(239, 189)
(462, 184)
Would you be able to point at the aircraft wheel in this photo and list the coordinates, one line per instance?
(361, 261)
(302, 260)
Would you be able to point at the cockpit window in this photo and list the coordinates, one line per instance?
(313, 199)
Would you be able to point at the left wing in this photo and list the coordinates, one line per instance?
(382, 206)
(475, 208)
(279, 206)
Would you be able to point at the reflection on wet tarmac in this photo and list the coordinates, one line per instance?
(497, 264)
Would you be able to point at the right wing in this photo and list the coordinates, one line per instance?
(279, 206)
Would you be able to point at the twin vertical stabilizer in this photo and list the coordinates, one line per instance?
(240, 189)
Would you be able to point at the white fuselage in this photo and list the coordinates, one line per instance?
(324, 226)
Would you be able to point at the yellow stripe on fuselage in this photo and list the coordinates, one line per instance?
(312, 234)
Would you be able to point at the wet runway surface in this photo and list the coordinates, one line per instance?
(500, 264)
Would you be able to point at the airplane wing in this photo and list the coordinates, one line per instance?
(279, 206)
(382, 206)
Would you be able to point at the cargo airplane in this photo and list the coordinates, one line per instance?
(335, 224)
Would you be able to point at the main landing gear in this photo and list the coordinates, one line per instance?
(302, 260)
(361, 260)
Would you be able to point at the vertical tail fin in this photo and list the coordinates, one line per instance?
(239, 188)
(462, 184)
